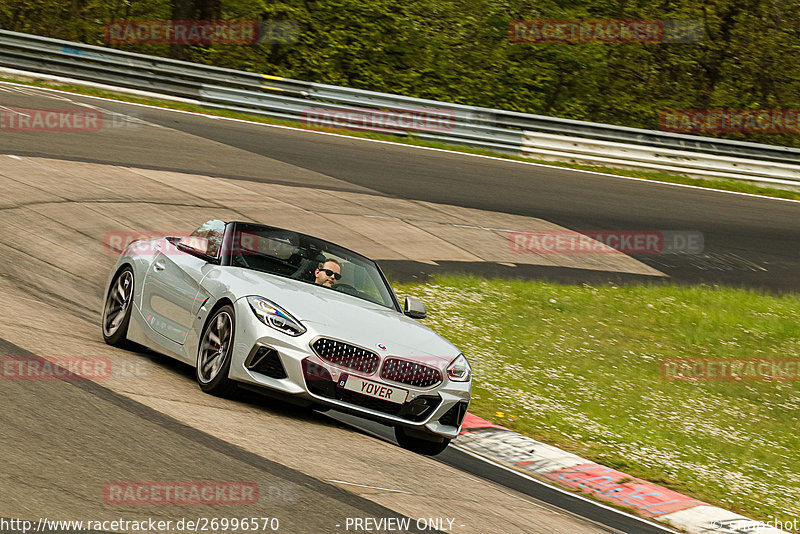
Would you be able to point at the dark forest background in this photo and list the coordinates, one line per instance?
(459, 51)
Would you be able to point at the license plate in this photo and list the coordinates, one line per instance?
(373, 389)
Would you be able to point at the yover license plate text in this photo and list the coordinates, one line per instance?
(374, 389)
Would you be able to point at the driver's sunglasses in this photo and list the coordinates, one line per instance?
(329, 272)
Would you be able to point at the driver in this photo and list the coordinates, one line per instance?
(328, 273)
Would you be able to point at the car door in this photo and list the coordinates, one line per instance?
(171, 292)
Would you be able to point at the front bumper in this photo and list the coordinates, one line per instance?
(270, 359)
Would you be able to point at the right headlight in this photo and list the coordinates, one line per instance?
(459, 370)
(273, 315)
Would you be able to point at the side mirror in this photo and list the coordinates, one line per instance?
(414, 308)
(194, 244)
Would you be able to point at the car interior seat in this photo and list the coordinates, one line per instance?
(307, 262)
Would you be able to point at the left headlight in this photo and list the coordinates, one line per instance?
(459, 370)
(276, 317)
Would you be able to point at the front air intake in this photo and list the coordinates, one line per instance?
(267, 362)
(455, 415)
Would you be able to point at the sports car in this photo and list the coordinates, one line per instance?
(250, 304)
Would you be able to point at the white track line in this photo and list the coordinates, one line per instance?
(543, 165)
(365, 486)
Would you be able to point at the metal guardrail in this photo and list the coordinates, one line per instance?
(284, 98)
(695, 164)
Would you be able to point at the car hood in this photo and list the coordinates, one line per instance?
(337, 315)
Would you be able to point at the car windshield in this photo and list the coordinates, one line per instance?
(298, 256)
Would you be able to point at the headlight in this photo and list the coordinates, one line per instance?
(459, 370)
(276, 317)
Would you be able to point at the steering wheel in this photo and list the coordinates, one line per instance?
(240, 260)
(345, 288)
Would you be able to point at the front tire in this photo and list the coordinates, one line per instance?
(117, 308)
(214, 353)
(429, 445)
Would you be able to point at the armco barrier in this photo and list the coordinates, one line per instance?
(506, 131)
(592, 152)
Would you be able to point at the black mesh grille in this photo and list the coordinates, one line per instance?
(364, 401)
(416, 410)
(320, 382)
(455, 415)
(266, 361)
(318, 379)
(346, 355)
(411, 373)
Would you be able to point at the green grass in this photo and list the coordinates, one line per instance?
(727, 185)
(578, 367)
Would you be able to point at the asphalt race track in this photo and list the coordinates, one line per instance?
(748, 241)
(64, 442)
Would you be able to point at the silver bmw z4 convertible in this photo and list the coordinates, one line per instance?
(246, 303)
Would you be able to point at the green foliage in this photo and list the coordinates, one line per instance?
(581, 367)
(749, 57)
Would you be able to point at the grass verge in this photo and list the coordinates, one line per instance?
(726, 185)
(579, 367)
